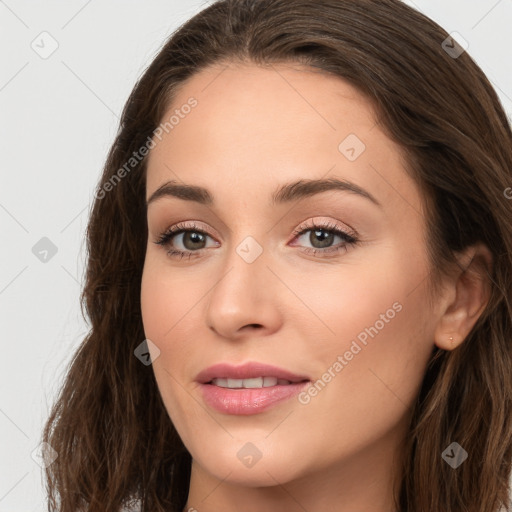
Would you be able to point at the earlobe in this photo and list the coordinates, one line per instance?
(471, 285)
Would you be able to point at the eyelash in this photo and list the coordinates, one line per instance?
(349, 238)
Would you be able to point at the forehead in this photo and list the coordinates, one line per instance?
(256, 127)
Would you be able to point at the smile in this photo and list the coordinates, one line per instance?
(257, 382)
(250, 388)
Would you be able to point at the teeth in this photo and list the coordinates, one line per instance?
(269, 381)
(256, 382)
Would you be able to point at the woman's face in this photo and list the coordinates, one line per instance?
(306, 253)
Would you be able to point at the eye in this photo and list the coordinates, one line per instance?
(189, 236)
(322, 236)
(191, 240)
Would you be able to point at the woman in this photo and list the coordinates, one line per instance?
(304, 225)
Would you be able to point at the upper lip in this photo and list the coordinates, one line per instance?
(246, 371)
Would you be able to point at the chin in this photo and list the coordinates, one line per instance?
(241, 464)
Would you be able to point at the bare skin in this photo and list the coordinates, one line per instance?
(253, 130)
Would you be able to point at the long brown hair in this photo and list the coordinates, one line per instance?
(114, 439)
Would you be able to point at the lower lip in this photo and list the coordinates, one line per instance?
(248, 401)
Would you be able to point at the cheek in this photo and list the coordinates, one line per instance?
(156, 299)
(167, 299)
(165, 304)
(377, 320)
(366, 297)
(171, 302)
(167, 307)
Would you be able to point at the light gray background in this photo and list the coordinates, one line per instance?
(58, 118)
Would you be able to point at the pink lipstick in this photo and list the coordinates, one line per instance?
(248, 389)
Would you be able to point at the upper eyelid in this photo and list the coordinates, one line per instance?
(310, 223)
(327, 225)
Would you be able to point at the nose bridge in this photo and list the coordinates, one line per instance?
(243, 294)
(243, 277)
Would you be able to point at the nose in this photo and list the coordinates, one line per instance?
(244, 299)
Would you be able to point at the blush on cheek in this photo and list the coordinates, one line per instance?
(160, 304)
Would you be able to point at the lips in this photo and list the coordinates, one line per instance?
(251, 370)
(248, 389)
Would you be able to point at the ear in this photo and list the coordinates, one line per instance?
(466, 296)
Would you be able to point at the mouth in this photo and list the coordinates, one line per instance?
(248, 389)
(253, 383)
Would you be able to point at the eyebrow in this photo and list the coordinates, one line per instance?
(285, 193)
